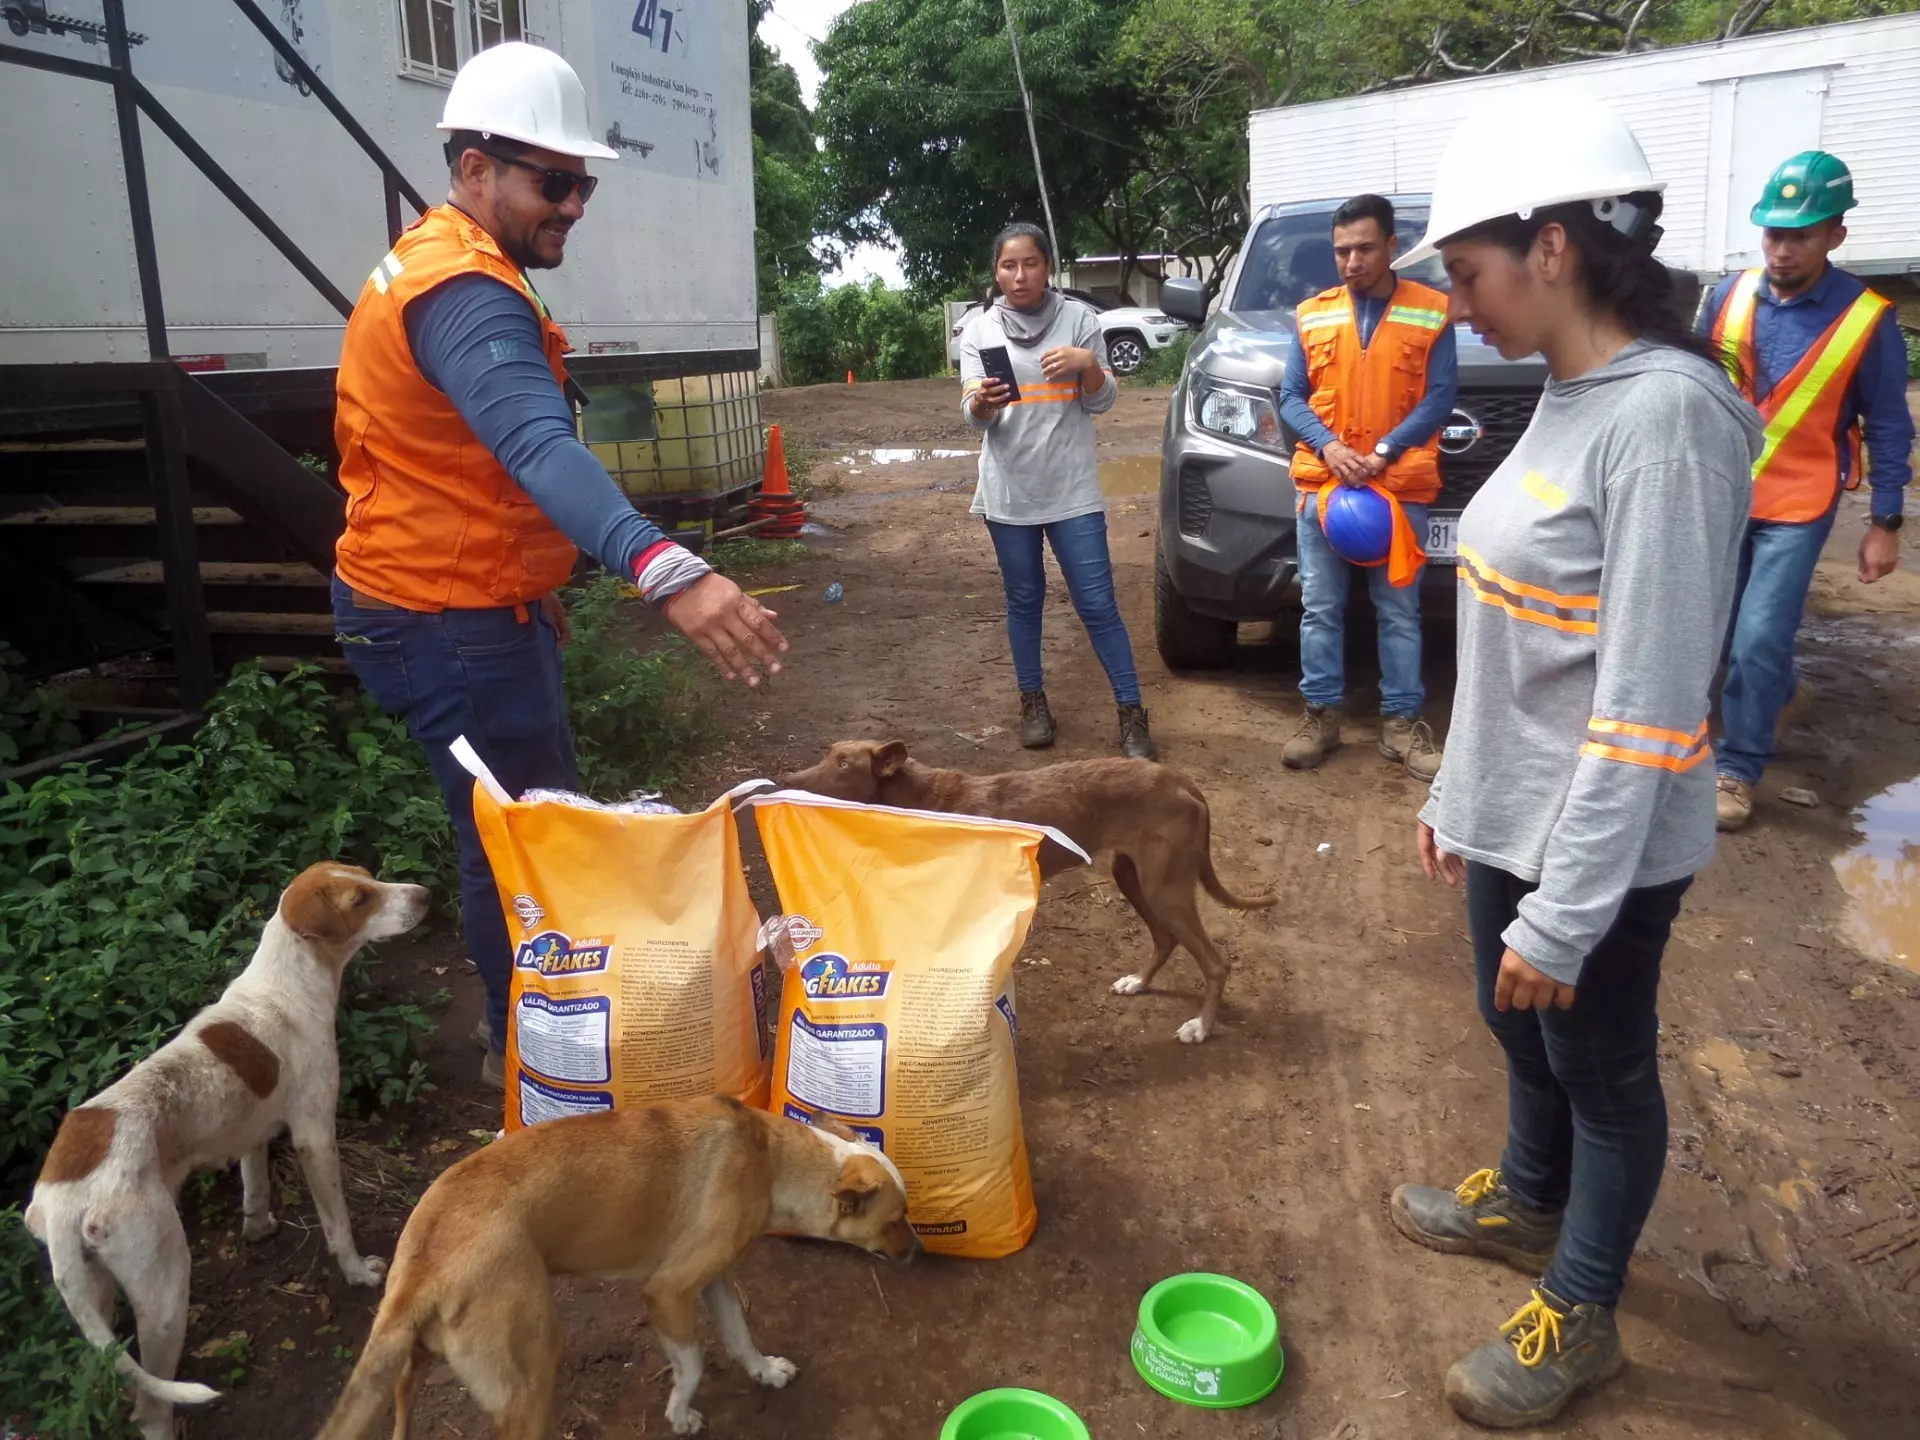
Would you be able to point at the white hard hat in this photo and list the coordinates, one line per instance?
(526, 93)
(1540, 145)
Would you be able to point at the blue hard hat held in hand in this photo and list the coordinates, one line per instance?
(1358, 524)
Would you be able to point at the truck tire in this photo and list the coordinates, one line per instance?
(1126, 352)
(1186, 640)
(17, 22)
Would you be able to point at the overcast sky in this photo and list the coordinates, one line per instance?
(790, 28)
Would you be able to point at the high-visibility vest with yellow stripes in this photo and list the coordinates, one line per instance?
(1361, 392)
(434, 521)
(1798, 475)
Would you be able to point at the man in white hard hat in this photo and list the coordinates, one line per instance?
(469, 492)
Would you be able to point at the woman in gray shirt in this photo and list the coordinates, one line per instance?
(1038, 478)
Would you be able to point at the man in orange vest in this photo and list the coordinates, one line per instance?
(1378, 381)
(468, 488)
(1823, 358)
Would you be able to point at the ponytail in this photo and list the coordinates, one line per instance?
(1617, 269)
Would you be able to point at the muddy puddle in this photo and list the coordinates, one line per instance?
(1881, 874)
(1130, 475)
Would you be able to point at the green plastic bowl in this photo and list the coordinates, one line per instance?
(1208, 1340)
(1013, 1415)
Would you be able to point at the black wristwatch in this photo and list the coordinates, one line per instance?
(1890, 523)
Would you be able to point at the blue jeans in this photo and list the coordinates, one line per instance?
(1080, 549)
(1770, 596)
(1586, 1117)
(496, 679)
(1323, 621)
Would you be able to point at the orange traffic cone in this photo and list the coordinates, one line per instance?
(774, 505)
(849, 377)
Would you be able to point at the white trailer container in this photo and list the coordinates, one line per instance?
(1714, 119)
(662, 267)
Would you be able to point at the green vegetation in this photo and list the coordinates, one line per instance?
(1162, 367)
(877, 332)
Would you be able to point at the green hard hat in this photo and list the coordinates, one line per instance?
(1806, 189)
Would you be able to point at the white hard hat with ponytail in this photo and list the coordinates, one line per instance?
(1540, 145)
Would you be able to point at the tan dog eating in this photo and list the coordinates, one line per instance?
(1151, 821)
(259, 1058)
(669, 1195)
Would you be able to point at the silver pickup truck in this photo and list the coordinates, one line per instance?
(1225, 554)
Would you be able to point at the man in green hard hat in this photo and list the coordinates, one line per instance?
(1822, 358)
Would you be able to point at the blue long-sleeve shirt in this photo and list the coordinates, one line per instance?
(478, 342)
(1423, 422)
(1783, 332)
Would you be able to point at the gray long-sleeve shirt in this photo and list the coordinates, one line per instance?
(1037, 461)
(1597, 570)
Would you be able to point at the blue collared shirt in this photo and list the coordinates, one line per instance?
(1423, 422)
(1783, 332)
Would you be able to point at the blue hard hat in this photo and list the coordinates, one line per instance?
(1358, 524)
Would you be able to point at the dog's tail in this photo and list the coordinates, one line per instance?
(74, 1276)
(1211, 880)
(388, 1352)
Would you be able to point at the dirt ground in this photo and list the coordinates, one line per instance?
(1777, 1289)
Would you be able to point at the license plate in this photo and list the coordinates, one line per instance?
(1443, 533)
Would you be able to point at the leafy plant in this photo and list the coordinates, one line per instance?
(34, 720)
(637, 717)
(750, 555)
(1162, 367)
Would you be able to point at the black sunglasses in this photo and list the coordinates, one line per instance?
(555, 185)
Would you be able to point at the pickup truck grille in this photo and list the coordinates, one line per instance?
(1502, 416)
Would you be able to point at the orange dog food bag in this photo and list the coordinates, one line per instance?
(636, 970)
(897, 1013)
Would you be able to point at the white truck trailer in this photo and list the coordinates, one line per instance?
(1715, 119)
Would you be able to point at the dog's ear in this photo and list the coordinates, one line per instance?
(888, 759)
(861, 1178)
(326, 902)
(834, 1127)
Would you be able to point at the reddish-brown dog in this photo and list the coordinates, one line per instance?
(1150, 820)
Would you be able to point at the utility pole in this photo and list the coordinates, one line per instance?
(1033, 135)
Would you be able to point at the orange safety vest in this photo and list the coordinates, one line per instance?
(1797, 477)
(434, 522)
(1361, 392)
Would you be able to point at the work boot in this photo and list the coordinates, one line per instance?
(1317, 738)
(1480, 1217)
(1036, 720)
(1733, 804)
(1546, 1355)
(1791, 712)
(1407, 739)
(1136, 743)
(493, 1070)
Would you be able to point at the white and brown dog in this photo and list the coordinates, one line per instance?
(668, 1195)
(258, 1059)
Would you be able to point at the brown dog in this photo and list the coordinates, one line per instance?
(1150, 819)
(669, 1195)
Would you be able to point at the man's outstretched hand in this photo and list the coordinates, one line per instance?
(732, 629)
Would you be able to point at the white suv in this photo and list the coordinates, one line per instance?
(1132, 332)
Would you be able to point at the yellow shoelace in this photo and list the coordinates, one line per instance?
(1533, 1329)
(1477, 1186)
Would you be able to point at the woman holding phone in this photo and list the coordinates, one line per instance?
(1032, 378)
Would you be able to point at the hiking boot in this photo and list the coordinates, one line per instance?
(1546, 1355)
(1791, 712)
(1136, 743)
(493, 1070)
(1036, 720)
(1317, 738)
(1407, 739)
(1733, 804)
(1480, 1217)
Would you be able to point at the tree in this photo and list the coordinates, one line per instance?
(925, 137)
(876, 332)
(787, 172)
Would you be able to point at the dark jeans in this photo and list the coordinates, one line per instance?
(1080, 548)
(495, 678)
(1586, 1117)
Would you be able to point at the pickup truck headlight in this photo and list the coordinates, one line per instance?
(1240, 412)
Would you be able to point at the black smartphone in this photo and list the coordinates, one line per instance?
(999, 366)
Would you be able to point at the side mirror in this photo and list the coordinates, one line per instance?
(1185, 299)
